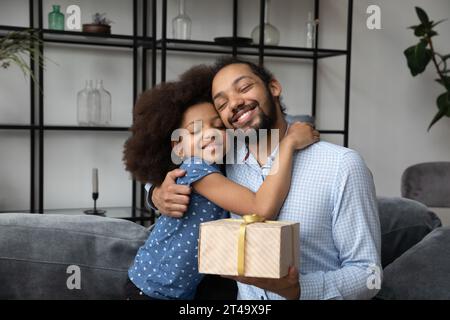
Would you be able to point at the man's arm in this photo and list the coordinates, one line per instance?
(169, 198)
(356, 234)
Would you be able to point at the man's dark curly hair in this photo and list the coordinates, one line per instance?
(157, 113)
(260, 71)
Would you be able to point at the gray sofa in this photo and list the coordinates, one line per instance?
(36, 252)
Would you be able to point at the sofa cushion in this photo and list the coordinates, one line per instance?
(36, 251)
(404, 223)
(422, 272)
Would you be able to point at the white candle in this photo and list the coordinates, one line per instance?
(95, 180)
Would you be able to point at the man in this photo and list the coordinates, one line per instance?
(332, 195)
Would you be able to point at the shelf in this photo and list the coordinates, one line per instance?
(129, 41)
(17, 127)
(84, 128)
(253, 50)
(84, 38)
(111, 212)
(62, 128)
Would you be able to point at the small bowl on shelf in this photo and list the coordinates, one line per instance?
(97, 28)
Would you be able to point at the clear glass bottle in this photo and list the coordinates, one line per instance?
(93, 105)
(271, 33)
(82, 106)
(310, 32)
(105, 104)
(56, 19)
(181, 24)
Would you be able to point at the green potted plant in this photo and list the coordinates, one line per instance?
(421, 54)
(100, 24)
(15, 46)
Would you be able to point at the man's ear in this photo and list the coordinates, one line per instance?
(275, 87)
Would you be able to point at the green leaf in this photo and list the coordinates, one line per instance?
(423, 17)
(445, 83)
(436, 23)
(436, 118)
(418, 57)
(431, 33)
(443, 102)
(421, 30)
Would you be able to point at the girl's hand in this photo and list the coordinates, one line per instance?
(301, 134)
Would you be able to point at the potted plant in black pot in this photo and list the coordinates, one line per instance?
(100, 24)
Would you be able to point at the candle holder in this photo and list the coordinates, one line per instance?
(95, 211)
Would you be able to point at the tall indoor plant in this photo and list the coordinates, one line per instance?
(420, 55)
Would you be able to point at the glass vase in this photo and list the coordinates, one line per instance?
(93, 105)
(271, 33)
(105, 104)
(82, 106)
(181, 24)
(56, 19)
(310, 32)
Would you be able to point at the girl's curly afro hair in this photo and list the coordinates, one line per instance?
(157, 113)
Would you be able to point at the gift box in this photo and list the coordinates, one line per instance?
(248, 248)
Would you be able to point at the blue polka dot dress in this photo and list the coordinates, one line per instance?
(166, 266)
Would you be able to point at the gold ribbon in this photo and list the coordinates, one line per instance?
(247, 219)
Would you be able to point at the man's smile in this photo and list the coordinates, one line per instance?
(242, 116)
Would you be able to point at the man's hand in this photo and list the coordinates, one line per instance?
(287, 287)
(170, 198)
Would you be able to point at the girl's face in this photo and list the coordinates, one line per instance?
(203, 134)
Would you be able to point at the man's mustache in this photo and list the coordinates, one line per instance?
(241, 110)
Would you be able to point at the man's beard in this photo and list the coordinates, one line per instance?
(267, 121)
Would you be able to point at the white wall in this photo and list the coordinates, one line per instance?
(390, 110)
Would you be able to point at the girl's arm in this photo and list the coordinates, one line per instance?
(267, 201)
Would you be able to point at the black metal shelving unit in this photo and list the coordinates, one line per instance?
(140, 43)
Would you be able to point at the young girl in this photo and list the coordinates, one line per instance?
(165, 267)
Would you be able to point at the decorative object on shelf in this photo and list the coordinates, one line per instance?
(229, 41)
(100, 24)
(88, 105)
(17, 44)
(271, 33)
(95, 211)
(420, 55)
(56, 19)
(105, 104)
(181, 24)
(311, 31)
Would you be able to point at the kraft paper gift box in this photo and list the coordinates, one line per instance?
(266, 249)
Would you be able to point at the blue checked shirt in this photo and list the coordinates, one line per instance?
(332, 196)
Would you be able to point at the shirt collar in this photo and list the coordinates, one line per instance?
(248, 158)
